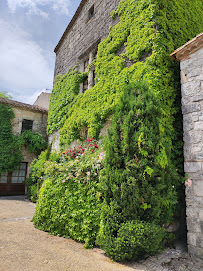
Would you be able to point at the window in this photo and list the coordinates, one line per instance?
(3, 177)
(27, 125)
(91, 13)
(86, 64)
(15, 177)
(93, 79)
(85, 85)
(18, 176)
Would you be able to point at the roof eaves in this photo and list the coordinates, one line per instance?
(25, 106)
(190, 47)
(77, 13)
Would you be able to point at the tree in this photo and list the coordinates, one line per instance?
(139, 181)
(4, 94)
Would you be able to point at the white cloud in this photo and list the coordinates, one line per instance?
(36, 6)
(23, 66)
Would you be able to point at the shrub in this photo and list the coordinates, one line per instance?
(35, 180)
(138, 181)
(134, 240)
(69, 201)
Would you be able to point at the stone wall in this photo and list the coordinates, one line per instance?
(192, 108)
(85, 34)
(43, 100)
(39, 120)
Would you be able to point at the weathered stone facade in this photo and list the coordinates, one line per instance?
(80, 40)
(191, 65)
(39, 120)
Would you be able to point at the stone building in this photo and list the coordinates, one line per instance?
(78, 45)
(43, 100)
(89, 26)
(191, 65)
(27, 117)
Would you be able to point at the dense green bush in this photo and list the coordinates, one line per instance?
(35, 180)
(134, 240)
(69, 200)
(138, 181)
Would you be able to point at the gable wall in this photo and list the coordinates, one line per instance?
(84, 34)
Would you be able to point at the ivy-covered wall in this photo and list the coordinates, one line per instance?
(14, 146)
(148, 31)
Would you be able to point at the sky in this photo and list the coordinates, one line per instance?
(29, 31)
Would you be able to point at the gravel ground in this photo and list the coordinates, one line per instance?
(24, 248)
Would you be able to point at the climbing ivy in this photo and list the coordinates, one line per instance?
(10, 145)
(64, 95)
(10, 148)
(149, 30)
(34, 141)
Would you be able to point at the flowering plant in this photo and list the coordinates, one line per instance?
(89, 145)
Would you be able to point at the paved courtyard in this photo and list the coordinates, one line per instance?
(24, 248)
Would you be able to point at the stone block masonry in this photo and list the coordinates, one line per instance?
(192, 108)
(85, 34)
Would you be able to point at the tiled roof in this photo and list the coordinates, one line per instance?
(23, 105)
(189, 48)
(77, 13)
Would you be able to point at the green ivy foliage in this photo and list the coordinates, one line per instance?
(149, 30)
(10, 145)
(10, 148)
(34, 141)
(63, 96)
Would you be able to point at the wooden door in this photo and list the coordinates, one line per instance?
(13, 183)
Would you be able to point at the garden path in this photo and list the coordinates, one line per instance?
(24, 248)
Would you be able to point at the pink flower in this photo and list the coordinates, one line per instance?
(88, 173)
(188, 183)
(63, 181)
